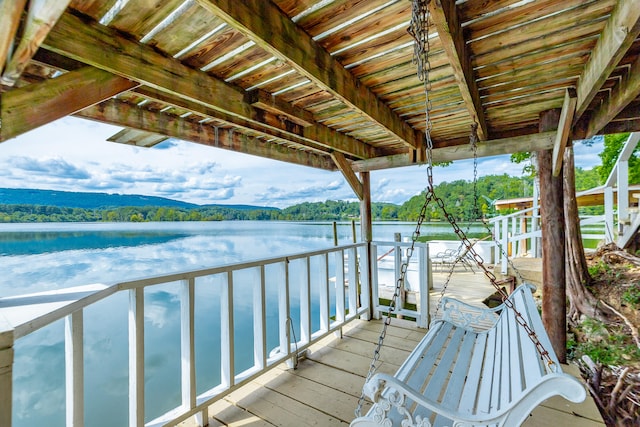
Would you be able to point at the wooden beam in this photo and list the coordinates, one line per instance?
(29, 107)
(137, 137)
(620, 31)
(445, 18)
(10, 12)
(121, 113)
(496, 147)
(564, 129)
(42, 15)
(621, 96)
(265, 101)
(265, 24)
(317, 137)
(344, 167)
(106, 49)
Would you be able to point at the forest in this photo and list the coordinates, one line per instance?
(458, 197)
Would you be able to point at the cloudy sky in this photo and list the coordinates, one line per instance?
(72, 154)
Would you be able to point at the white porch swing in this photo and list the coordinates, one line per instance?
(475, 366)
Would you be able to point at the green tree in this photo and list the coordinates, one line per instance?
(613, 145)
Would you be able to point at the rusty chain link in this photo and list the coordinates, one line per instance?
(419, 30)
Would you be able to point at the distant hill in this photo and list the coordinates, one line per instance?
(84, 200)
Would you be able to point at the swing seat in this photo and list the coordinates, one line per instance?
(475, 367)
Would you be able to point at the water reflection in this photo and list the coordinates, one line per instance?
(40, 257)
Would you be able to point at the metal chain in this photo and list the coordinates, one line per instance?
(419, 30)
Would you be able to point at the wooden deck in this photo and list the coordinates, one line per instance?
(324, 389)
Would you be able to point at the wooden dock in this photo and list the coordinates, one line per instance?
(324, 389)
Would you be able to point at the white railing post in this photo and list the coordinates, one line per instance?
(505, 246)
(608, 215)
(352, 271)
(260, 321)
(364, 280)
(136, 357)
(623, 195)
(424, 285)
(227, 368)
(6, 371)
(325, 315)
(340, 294)
(305, 303)
(187, 344)
(74, 369)
(375, 290)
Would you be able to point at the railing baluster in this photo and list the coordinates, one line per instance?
(374, 282)
(187, 343)
(136, 357)
(259, 321)
(340, 294)
(424, 284)
(74, 368)
(363, 268)
(227, 369)
(352, 271)
(305, 303)
(325, 309)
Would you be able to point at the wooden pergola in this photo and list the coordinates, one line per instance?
(328, 84)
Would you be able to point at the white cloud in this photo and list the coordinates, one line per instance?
(73, 155)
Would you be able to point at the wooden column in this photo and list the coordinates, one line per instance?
(553, 244)
(366, 230)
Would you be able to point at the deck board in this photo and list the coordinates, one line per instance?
(324, 389)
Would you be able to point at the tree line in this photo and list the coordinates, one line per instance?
(459, 198)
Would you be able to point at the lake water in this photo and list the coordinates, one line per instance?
(39, 257)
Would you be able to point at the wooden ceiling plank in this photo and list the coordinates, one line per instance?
(621, 96)
(24, 109)
(564, 129)
(42, 15)
(445, 18)
(274, 31)
(266, 101)
(121, 113)
(10, 12)
(532, 142)
(103, 48)
(620, 31)
(348, 173)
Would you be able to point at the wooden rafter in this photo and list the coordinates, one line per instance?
(124, 114)
(445, 18)
(496, 147)
(23, 109)
(274, 31)
(42, 15)
(621, 96)
(270, 125)
(10, 11)
(78, 39)
(344, 167)
(622, 28)
(564, 130)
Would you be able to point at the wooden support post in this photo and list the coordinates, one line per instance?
(553, 244)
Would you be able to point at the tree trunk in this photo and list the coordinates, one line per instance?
(581, 301)
(554, 298)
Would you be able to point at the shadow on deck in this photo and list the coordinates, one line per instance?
(324, 389)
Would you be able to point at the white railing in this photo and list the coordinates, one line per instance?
(390, 257)
(332, 288)
(519, 234)
(331, 283)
